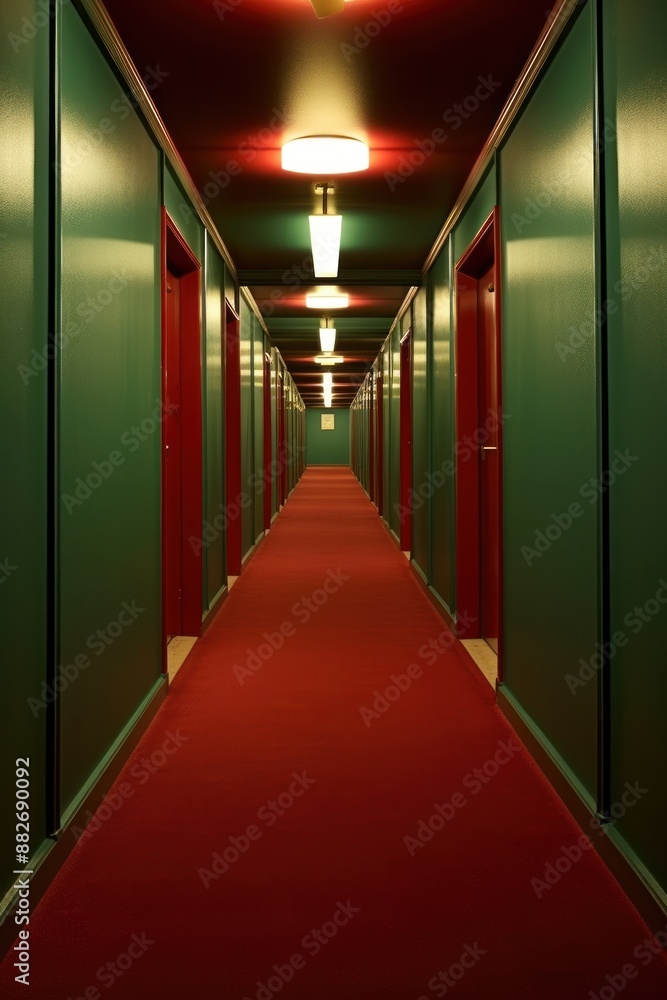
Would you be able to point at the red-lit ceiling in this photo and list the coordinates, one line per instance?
(241, 77)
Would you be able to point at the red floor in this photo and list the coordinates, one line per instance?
(328, 893)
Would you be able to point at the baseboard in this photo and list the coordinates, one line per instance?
(249, 554)
(632, 878)
(434, 598)
(421, 579)
(218, 601)
(391, 531)
(53, 852)
(419, 571)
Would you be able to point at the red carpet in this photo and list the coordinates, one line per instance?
(308, 805)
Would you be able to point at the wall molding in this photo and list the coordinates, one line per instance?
(628, 871)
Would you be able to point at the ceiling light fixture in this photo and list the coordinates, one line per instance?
(325, 154)
(327, 340)
(325, 234)
(329, 359)
(327, 337)
(318, 301)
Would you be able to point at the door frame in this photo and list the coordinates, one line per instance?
(233, 439)
(372, 459)
(177, 255)
(268, 437)
(379, 430)
(483, 252)
(405, 423)
(282, 439)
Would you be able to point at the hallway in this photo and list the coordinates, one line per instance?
(281, 828)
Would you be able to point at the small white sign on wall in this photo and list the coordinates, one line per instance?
(328, 422)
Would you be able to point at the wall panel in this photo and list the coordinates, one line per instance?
(215, 572)
(420, 433)
(476, 213)
(394, 430)
(182, 213)
(550, 432)
(386, 439)
(636, 88)
(442, 428)
(24, 171)
(109, 409)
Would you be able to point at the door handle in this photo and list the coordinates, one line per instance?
(488, 447)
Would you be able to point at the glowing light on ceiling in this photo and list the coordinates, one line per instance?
(325, 154)
(328, 359)
(327, 339)
(317, 300)
(325, 235)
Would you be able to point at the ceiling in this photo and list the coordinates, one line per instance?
(238, 78)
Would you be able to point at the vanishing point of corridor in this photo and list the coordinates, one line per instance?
(329, 805)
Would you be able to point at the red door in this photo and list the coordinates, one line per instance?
(406, 442)
(173, 506)
(182, 534)
(479, 471)
(489, 500)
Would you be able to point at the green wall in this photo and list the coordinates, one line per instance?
(441, 426)
(215, 567)
(421, 465)
(636, 92)
(327, 447)
(549, 287)
(24, 172)
(394, 434)
(476, 213)
(182, 213)
(109, 383)
(359, 437)
(385, 363)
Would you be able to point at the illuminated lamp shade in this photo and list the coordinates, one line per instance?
(327, 380)
(316, 301)
(325, 234)
(325, 154)
(328, 359)
(327, 339)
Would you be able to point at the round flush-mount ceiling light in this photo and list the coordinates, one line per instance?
(325, 154)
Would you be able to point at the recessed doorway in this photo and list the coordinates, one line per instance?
(478, 436)
(181, 436)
